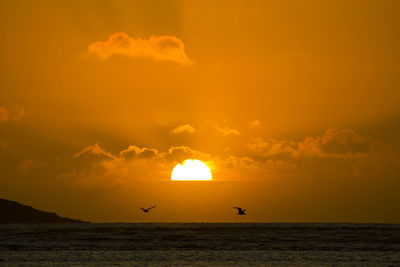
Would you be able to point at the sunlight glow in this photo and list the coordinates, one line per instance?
(191, 170)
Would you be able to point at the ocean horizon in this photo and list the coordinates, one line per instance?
(200, 244)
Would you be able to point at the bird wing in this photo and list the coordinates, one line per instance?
(239, 209)
(142, 209)
(151, 207)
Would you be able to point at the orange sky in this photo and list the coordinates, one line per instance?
(295, 106)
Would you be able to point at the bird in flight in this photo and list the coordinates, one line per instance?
(147, 210)
(240, 211)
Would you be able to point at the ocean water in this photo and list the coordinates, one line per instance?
(200, 244)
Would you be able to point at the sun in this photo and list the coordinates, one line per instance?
(191, 170)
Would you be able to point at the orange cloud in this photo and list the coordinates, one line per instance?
(3, 143)
(255, 124)
(185, 128)
(95, 166)
(158, 48)
(95, 150)
(3, 114)
(333, 143)
(272, 147)
(218, 128)
(336, 142)
(257, 168)
(282, 165)
(30, 165)
(336, 150)
(243, 163)
(180, 153)
(226, 131)
(17, 114)
(134, 152)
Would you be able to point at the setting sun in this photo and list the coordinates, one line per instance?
(191, 170)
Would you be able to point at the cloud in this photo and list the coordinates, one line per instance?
(333, 143)
(185, 128)
(136, 152)
(97, 167)
(17, 113)
(253, 166)
(335, 152)
(180, 153)
(279, 164)
(94, 166)
(243, 163)
(158, 48)
(3, 114)
(226, 131)
(92, 161)
(336, 142)
(273, 147)
(255, 124)
(94, 151)
(218, 128)
(223, 128)
(174, 154)
(248, 168)
(28, 165)
(3, 144)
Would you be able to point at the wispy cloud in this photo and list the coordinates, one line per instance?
(255, 124)
(185, 128)
(218, 128)
(226, 131)
(159, 48)
(95, 150)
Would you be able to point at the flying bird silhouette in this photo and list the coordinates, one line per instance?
(147, 210)
(240, 211)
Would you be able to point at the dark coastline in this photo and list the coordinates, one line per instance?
(14, 212)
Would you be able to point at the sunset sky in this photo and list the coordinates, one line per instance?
(294, 106)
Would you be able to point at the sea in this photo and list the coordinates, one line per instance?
(200, 244)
